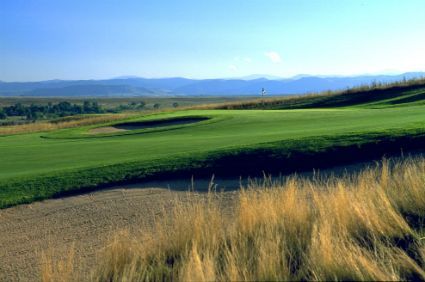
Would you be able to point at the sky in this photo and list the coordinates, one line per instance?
(98, 39)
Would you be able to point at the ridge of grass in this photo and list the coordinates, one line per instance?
(357, 96)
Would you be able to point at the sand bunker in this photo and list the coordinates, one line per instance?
(146, 124)
(81, 223)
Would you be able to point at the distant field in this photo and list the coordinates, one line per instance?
(166, 102)
(37, 113)
(40, 165)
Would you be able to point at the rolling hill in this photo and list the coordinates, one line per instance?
(395, 94)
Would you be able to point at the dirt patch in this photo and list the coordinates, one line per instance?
(145, 124)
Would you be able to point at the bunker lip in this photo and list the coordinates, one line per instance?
(150, 124)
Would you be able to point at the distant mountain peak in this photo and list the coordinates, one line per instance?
(249, 85)
(298, 76)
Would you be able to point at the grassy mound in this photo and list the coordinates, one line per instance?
(411, 92)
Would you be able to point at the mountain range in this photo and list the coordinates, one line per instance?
(250, 85)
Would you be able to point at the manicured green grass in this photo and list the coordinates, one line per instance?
(41, 165)
(30, 154)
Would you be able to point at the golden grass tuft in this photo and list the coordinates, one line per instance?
(64, 123)
(58, 270)
(348, 228)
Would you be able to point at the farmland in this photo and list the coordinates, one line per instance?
(109, 103)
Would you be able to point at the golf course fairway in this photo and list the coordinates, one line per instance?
(41, 165)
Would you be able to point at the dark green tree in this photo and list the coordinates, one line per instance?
(2, 114)
(141, 105)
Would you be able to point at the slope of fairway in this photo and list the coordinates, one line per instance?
(40, 165)
(387, 96)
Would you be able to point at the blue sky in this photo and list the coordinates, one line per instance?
(82, 39)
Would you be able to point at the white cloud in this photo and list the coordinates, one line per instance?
(239, 59)
(247, 60)
(233, 67)
(273, 56)
(239, 63)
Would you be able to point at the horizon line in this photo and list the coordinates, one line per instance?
(244, 77)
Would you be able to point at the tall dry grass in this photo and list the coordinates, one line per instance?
(64, 123)
(348, 228)
(258, 103)
(58, 270)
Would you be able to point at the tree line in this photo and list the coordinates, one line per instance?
(61, 109)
